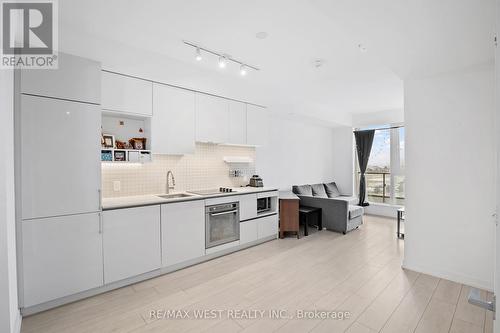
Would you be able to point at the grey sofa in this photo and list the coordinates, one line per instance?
(339, 212)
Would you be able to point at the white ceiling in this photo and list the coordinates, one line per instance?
(403, 38)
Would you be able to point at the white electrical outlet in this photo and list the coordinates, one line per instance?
(117, 186)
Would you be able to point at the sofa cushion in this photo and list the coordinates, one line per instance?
(332, 190)
(302, 190)
(351, 200)
(318, 190)
(355, 211)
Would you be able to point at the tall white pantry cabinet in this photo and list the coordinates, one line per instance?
(58, 125)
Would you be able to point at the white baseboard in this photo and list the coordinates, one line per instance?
(452, 276)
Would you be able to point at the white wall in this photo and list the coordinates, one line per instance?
(123, 58)
(10, 319)
(343, 159)
(297, 153)
(382, 117)
(450, 175)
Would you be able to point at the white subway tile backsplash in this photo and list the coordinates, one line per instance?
(204, 169)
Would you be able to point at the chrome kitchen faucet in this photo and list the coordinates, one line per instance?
(169, 173)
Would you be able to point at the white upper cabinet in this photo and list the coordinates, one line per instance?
(126, 94)
(173, 124)
(237, 123)
(131, 242)
(76, 79)
(212, 119)
(257, 125)
(60, 157)
(61, 256)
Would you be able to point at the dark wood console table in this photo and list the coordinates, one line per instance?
(289, 213)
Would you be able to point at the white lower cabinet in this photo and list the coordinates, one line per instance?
(182, 231)
(248, 231)
(131, 242)
(248, 206)
(61, 256)
(260, 228)
(267, 226)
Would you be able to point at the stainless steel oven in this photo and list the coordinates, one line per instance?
(222, 224)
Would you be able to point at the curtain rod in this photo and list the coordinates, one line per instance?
(379, 129)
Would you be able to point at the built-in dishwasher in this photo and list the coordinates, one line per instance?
(222, 224)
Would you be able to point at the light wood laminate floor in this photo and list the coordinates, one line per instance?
(359, 273)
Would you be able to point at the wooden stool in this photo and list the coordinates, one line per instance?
(305, 212)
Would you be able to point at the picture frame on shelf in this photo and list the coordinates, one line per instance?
(138, 143)
(122, 145)
(106, 156)
(120, 155)
(108, 141)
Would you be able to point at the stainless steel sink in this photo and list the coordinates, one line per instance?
(175, 195)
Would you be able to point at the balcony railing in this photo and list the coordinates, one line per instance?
(378, 187)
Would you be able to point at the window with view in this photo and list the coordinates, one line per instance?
(385, 178)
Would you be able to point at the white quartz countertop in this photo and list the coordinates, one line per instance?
(288, 195)
(155, 199)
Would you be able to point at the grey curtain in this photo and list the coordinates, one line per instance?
(364, 141)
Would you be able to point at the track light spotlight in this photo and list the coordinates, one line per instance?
(243, 70)
(222, 61)
(198, 54)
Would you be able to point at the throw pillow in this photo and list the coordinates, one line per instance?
(332, 190)
(318, 190)
(302, 190)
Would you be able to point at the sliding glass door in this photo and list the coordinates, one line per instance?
(385, 176)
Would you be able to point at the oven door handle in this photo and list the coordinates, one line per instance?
(224, 213)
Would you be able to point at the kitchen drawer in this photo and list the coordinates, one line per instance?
(267, 226)
(249, 231)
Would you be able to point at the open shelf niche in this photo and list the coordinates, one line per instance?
(124, 127)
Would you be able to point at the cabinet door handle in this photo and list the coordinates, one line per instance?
(100, 198)
(100, 223)
(224, 213)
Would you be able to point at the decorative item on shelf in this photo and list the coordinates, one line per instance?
(108, 141)
(138, 143)
(141, 130)
(120, 155)
(236, 173)
(122, 145)
(106, 155)
(121, 123)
